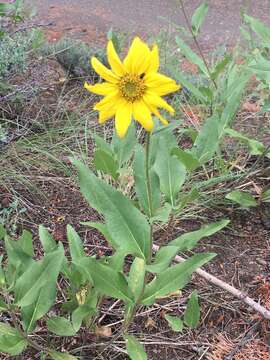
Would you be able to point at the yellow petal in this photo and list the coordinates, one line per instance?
(114, 61)
(123, 118)
(105, 115)
(107, 102)
(158, 114)
(104, 72)
(154, 60)
(137, 59)
(142, 114)
(104, 88)
(160, 84)
(157, 101)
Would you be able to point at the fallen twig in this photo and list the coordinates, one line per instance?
(232, 290)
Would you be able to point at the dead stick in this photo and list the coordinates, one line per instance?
(235, 292)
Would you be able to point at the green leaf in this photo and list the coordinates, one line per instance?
(255, 147)
(18, 259)
(175, 322)
(11, 340)
(60, 326)
(26, 243)
(2, 232)
(46, 239)
(136, 277)
(104, 162)
(162, 214)
(171, 172)
(43, 302)
(162, 259)
(79, 314)
(192, 313)
(186, 158)
(242, 198)
(28, 286)
(188, 198)
(123, 148)
(206, 143)
(106, 280)
(220, 66)
(102, 144)
(198, 17)
(191, 56)
(139, 171)
(61, 356)
(103, 229)
(126, 225)
(75, 244)
(135, 349)
(188, 85)
(189, 240)
(259, 28)
(3, 305)
(117, 260)
(2, 273)
(174, 278)
(265, 196)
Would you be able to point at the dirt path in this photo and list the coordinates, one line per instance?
(91, 19)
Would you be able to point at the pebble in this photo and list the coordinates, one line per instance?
(262, 262)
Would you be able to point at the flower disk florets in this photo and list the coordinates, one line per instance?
(132, 87)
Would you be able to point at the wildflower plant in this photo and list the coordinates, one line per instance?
(133, 273)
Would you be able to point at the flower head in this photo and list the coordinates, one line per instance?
(132, 88)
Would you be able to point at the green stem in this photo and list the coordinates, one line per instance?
(196, 42)
(149, 190)
(129, 316)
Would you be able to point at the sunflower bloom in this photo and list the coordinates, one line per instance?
(133, 89)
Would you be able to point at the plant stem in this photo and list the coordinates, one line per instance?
(149, 190)
(129, 316)
(196, 42)
(16, 324)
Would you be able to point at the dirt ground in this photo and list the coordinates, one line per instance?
(91, 19)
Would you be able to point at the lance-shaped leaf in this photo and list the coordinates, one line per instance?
(162, 259)
(186, 158)
(105, 162)
(191, 55)
(11, 340)
(46, 239)
(171, 172)
(174, 278)
(192, 313)
(106, 280)
(243, 198)
(75, 244)
(135, 349)
(198, 17)
(123, 148)
(127, 226)
(207, 141)
(137, 277)
(189, 240)
(175, 322)
(2, 232)
(28, 286)
(60, 326)
(43, 302)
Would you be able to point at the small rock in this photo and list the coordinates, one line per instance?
(262, 262)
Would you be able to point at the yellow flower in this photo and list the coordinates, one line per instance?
(133, 88)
